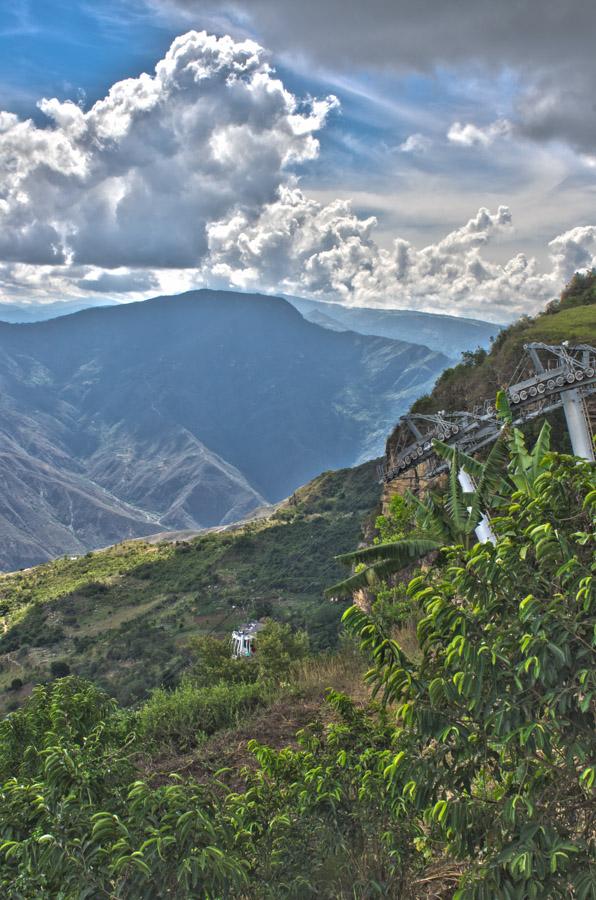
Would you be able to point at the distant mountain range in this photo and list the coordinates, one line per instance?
(447, 334)
(39, 312)
(181, 413)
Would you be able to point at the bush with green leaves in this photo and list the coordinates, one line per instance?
(59, 668)
(213, 663)
(277, 647)
(396, 521)
(317, 822)
(75, 823)
(393, 607)
(69, 711)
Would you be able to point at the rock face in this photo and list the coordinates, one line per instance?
(182, 413)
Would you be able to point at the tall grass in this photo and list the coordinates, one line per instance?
(182, 718)
(343, 671)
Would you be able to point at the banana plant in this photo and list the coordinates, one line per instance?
(517, 469)
(440, 520)
(453, 518)
(525, 465)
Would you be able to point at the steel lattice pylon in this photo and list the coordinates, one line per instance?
(553, 376)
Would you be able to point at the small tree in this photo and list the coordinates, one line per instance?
(277, 648)
(213, 663)
(59, 668)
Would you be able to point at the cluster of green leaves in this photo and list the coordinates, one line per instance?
(277, 648)
(75, 822)
(581, 291)
(182, 718)
(212, 663)
(317, 821)
(396, 521)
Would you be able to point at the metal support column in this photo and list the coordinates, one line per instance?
(577, 424)
(484, 532)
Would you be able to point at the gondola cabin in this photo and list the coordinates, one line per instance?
(244, 639)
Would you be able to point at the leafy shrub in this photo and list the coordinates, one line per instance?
(493, 750)
(397, 521)
(317, 821)
(59, 668)
(74, 824)
(321, 621)
(213, 663)
(393, 607)
(68, 712)
(277, 648)
(93, 589)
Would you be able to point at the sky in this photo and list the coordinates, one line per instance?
(438, 156)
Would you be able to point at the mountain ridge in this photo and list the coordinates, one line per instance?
(447, 334)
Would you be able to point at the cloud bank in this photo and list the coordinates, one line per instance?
(188, 177)
(301, 247)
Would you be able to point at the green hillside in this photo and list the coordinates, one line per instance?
(467, 775)
(123, 616)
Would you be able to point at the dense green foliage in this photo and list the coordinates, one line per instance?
(183, 717)
(581, 291)
(495, 743)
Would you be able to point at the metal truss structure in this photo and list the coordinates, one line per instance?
(548, 377)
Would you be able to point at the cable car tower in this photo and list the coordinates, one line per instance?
(547, 377)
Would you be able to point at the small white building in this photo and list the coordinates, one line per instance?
(244, 639)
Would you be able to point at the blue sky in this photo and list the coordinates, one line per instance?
(60, 48)
(424, 133)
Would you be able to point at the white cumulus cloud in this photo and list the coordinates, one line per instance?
(301, 247)
(470, 135)
(135, 180)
